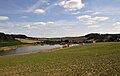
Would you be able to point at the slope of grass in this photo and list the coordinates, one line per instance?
(11, 43)
(100, 59)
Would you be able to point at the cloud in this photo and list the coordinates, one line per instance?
(71, 4)
(36, 5)
(74, 13)
(116, 25)
(100, 18)
(43, 23)
(27, 26)
(50, 22)
(84, 17)
(41, 3)
(88, 20)
(39, 11)
(58, 28)
(24, 17)
(39, 23)
(93, 26)
(88, 11)
(107, 10)
(3, 18)
(96, 13)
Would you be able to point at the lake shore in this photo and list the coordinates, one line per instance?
(9, 48)
(43, 51)
(95, 59)
(38, 51)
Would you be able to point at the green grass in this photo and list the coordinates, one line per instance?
(100, 59)
(11, 43)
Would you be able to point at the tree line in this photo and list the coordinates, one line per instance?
(82, 39)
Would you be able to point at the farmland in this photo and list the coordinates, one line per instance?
(99, 59)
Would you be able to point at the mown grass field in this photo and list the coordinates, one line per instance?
(100, 59)
(11, 43)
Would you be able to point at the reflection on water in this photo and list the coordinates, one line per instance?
(29, 49)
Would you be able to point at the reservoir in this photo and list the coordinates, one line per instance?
(29, 49)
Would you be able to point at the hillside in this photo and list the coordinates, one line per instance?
(100, 59)
(4, 37)
(10, 37)
(86, 39)
(90, 38)
(26, 40)
(103, 37)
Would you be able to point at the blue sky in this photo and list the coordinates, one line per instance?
(59, 18)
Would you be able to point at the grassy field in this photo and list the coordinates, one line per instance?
(12, 43)
(100, 59)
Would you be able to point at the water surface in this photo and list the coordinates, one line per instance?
(29, 49)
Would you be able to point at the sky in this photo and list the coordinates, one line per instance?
(59, 18)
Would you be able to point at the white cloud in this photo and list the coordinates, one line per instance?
(50, 22)
(43, 23)
(88, 11)
(100, 18)
(107, 10)
(83, 17)
(96, 13)
(36, 5)
(93, 26)
(117, 23)
(117, 27)
(3, 18)
(24, 17)
(27, 26)
(39, 23)
(39, 11)
(74, 13)
(71, 4)
(88, 20)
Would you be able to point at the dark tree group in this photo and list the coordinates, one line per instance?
(103, 37)
(93, 37)
(10, 37)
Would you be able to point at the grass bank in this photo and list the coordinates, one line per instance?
(100, 59)
(7, 46)
(10, 43)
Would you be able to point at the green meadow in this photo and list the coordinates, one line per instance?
(99, 59)
(10, 43)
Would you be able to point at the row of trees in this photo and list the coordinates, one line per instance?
(103, 37)
(90, 38)
(87, 38)
(8, 37)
